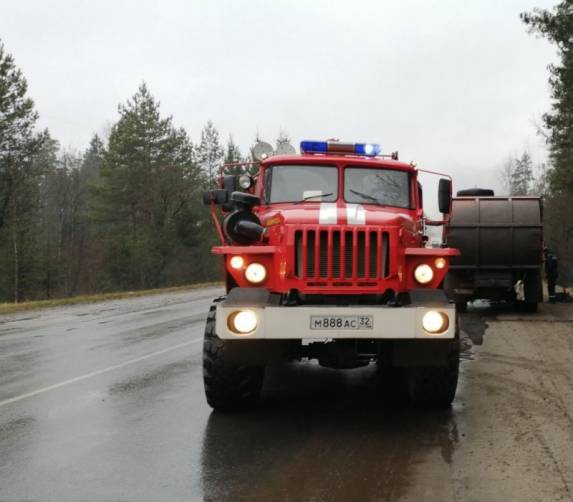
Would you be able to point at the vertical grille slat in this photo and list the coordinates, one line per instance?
(336, 253)
(298, 253)
(317, 253)
(310, 251)
(323, 253)
(373, 255)
(385, 255)
(380, 255)
(342, 254)
(348, 255)
(361, 255)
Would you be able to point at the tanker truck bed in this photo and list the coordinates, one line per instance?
(501, 242)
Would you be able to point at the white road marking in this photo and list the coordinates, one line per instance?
(96, 373)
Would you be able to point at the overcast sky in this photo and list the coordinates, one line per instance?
(456, 85)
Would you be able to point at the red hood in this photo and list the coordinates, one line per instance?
(335, 213)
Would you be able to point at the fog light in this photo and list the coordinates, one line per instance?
(237, 262)
(255, 273)
(435, 322)
(242, 322)
(423, 274)
(440, 263)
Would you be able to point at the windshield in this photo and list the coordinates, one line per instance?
(299, 183)
(387, 187)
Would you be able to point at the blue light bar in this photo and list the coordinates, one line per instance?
(313, 146)
(366, 149)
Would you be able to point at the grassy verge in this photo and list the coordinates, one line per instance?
(9, 308)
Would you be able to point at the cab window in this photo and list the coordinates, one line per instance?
(301, 183)
(387, 187)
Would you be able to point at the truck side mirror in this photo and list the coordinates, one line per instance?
(230, 184)
(445, 195)
(217, 197)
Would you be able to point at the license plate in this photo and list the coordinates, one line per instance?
(350, 322)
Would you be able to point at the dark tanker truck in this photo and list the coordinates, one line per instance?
(501, 248)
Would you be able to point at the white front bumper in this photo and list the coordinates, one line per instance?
(282, 323)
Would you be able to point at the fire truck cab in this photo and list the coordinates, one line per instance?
(325, 258)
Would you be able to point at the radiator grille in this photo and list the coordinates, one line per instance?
(341, 254)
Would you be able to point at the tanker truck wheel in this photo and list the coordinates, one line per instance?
(435, 386)
(533, 293)
(228, 387)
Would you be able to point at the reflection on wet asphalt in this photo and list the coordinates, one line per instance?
(320, 435)
(142, 431)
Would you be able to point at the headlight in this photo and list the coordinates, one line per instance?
(237, 262)
(423, 274)
(435, 322)
(245, 181)
(255, 273)
(242, 322)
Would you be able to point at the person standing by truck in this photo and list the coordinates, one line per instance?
(551, 273)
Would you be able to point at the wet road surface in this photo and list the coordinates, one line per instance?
(105, 403)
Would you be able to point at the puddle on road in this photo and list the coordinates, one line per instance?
(322, 434)
(473, 327)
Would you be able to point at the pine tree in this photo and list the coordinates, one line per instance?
(233, 156)
(210, 153)
(148, 180)
(232, 152)
(522, 175)
(88, 258)
(19, 174)
(557, 26)
(55, 221)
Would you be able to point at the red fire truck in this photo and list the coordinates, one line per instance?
(325, 258)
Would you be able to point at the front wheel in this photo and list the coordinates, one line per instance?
(435, 386)
(228, 387)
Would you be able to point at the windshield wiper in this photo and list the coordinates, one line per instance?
(308, 197)
(366, 196)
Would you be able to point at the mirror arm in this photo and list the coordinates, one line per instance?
(217, 224)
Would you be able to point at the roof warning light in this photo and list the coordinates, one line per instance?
(365, 149)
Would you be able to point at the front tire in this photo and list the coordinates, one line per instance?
(435, 386)
(228, 387)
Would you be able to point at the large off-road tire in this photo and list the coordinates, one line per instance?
(435, 386)
(228, 387)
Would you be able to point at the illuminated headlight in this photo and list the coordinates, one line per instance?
(255, 273)
(245, 181)
(440, 263)
(242, 322)
(237, 262)
(435, 322)
(423, 274)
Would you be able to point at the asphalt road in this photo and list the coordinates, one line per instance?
(105, 403)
